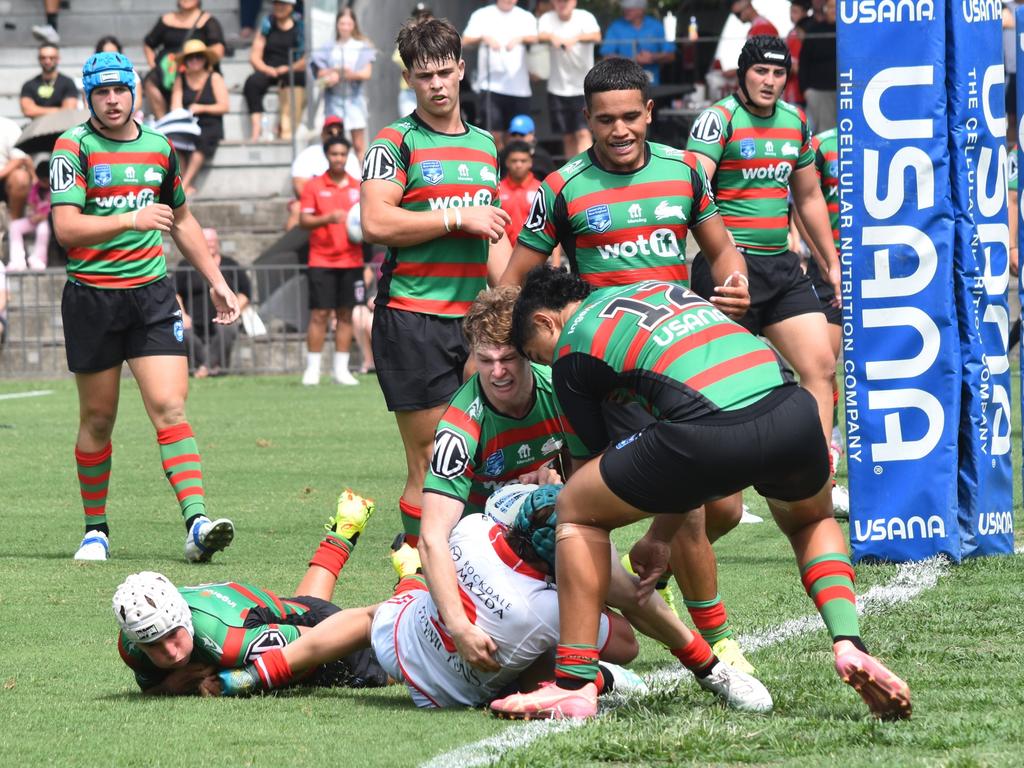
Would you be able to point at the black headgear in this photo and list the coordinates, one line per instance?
(762, 49)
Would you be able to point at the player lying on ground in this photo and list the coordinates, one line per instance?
(726, 418)
(508, 593)
(175, 640)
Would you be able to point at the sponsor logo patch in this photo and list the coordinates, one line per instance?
(790, 150)
(450, 454)
(666, 210)
(494, 465)
(102, 175)
(62, 175)
(179, 331)
(748, 148)
(153, 176)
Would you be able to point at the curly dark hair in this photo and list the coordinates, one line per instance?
(546, 287)
(428, 41)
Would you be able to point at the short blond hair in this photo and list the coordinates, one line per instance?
(488, 323)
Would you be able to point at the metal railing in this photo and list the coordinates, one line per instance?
(272, 342)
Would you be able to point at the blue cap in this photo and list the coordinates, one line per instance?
(107, 68)
(522, 124)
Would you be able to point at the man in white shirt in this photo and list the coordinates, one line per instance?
(15, 170)
(571, 33)
(502, 81)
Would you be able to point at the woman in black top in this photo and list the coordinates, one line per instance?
(166, 38)
(205, 94)
(279, 48)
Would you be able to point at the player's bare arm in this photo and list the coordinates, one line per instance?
(813, 213)
(440, 515)
(522, 261)
(75, 229)
(188, 236)
(728, 268)
(385, 222)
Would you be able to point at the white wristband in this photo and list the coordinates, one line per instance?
(135, 215)
(743, 279)
(458, 219)
(447, 227)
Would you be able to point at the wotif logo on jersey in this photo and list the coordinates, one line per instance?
(480, 197)
(780, 172)
(139, 199)
(662, 243)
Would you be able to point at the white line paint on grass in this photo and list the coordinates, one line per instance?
(19, 395)
(910, 580)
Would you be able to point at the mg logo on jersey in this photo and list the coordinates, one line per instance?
(450, 454)
(882, 529)
(599, 218)
(270, 640)
(662, 242)
(432, 171)
(102, 175)
(139, 199)
(748, 148)
(707, 127)
(666, 211)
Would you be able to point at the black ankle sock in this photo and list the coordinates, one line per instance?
(572, 683)
(857, 642)
(51, 19)
(188, 523)
(706, 669)
(101, 527)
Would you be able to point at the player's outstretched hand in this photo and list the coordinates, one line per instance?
(476, 647)
(226, 304)
(482, 221)
(733, 297)
(210, 686)
(188, 680)
(649, 558)
(155, 216)
(546, 475)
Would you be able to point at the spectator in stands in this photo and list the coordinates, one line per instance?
(522, 128)
(49, 91)
(36, 221)
(204, 93)
(278, 56)
(800, 16)
(248, 13)
(343, 67)
(15, 170)
(209, 343)
(47, 33)
(745, 11)
(571, 34)
(406, 97)
(517, 187)
(164, 42)
(502, 83)
(336, 276)
(639, 37)
(313, 162)
(818, 71)
(3, 304)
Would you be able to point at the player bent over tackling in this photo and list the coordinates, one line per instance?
(726, 418)
(175, 640)
(507, 592)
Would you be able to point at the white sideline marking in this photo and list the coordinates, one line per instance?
(33, 393)
(910, 580)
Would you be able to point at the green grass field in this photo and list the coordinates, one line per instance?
(275, 456)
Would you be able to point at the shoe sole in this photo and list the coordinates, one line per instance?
(219, 537)
(886, 695)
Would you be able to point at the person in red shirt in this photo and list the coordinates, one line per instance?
(335, 263)
(745, 11)
(518, 187)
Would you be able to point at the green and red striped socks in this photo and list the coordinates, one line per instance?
(576, 665)
(710, 618)
(410, 521)
(183, 468)
(828, 580)
(93, 480)
(696, 656)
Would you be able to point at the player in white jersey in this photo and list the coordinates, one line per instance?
(506, 590)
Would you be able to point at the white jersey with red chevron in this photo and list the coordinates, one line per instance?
(506, 598)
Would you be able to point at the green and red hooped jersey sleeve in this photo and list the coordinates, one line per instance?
(478, 449)
(826, 162)
(661, 346)
(754, 158)
(435, 171)
(225, 635)
(616, 228)
(104, 177)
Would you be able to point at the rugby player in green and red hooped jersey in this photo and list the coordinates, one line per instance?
(175, 640)
(725, 417)
(621, 212)
(756, 149)
(429, 193)
(115, 189)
